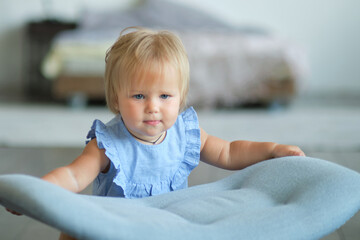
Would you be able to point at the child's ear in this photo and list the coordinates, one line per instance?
(116, 104)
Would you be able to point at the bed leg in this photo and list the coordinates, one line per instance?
(77, 100)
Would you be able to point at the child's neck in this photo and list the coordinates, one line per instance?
(150, 142)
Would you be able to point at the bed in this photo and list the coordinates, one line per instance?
(230, 65)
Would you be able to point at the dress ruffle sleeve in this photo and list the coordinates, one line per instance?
(192, 148)
(104, 141)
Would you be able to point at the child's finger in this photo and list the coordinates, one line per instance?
(297, 153)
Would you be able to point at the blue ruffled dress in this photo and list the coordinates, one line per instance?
(138, 170)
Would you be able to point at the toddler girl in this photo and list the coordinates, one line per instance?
(152, 144)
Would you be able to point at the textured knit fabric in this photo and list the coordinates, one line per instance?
(138, 170)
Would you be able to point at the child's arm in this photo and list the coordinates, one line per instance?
(240, 154)
(82, 171)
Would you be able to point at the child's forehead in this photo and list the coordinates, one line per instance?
(151, 74)
(154, 72)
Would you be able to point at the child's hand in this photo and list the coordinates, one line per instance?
(13, 212)
(281, 150)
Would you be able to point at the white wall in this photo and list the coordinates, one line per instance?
(327, 30)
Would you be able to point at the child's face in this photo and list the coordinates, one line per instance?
(152, 105)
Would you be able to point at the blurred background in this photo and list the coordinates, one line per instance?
(327, 32)
(277, 70)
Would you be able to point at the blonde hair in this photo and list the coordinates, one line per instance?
(143, 50)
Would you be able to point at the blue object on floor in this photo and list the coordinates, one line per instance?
(284, 198)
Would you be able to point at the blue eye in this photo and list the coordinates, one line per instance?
(164, 96)
(138, 96)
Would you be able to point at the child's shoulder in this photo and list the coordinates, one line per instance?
(114, 121)
(189, 114)
(189, 123)
(99, 127)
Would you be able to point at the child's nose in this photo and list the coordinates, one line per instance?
(152, 106)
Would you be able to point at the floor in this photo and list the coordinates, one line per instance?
(37, 138)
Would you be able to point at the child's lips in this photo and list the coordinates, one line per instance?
(152, 122)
